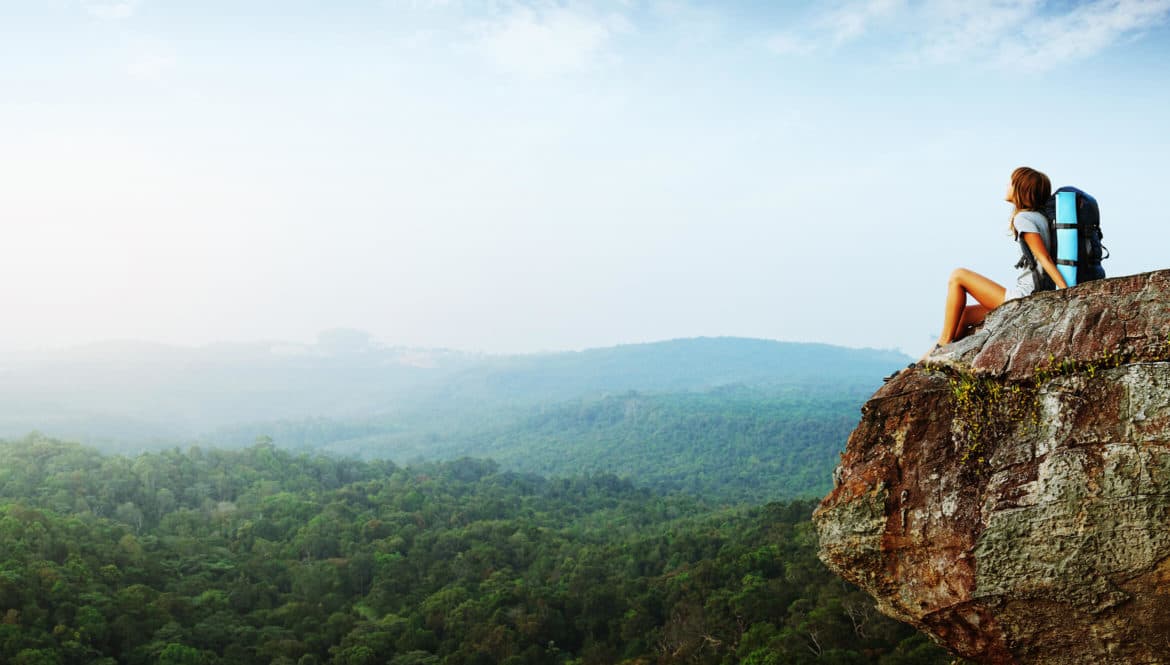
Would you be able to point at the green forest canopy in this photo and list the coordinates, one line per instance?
(259, 556)
(732, 444)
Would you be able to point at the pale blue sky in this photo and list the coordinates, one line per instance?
(523, 176)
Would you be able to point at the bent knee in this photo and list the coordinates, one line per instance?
(960, 276)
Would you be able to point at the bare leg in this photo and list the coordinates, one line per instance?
(973, 315)
(963, 282)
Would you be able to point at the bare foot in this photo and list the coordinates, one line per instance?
(929, 353)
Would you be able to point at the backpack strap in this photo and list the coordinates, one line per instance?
(1040, 278)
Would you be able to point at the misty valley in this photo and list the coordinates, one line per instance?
(343, 502)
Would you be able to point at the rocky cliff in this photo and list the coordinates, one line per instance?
(1011, 496)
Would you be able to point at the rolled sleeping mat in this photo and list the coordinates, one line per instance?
(1066, 236)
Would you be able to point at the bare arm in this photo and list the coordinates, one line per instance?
(1036, 244)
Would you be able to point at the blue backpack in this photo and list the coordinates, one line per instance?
(1089, 252)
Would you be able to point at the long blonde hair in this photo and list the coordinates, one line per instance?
(1031, 190)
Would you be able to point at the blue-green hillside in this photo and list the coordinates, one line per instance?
(729, 444)
(734, 419)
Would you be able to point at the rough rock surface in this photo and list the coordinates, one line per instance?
(1011, 498)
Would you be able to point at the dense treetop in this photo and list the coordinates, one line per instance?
(732, 444)
(261, 556)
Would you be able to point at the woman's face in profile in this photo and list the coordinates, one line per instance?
(1010, 192)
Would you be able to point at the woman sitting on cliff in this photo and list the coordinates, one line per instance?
(1029, 190)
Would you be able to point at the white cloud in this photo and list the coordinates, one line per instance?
(1018, 34)
(542, 42)
(839, 24)
(960, 29)
(1084, 32)
(111, 9)
(693, 25)
(851, 20)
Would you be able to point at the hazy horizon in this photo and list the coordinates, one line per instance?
(346, 389)
(376, 343)
(524, 176)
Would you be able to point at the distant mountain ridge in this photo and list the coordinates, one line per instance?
(745, 418)
(148, 393)
(732, 443)
(682, 364)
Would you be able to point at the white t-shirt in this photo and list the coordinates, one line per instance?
(1028, 221)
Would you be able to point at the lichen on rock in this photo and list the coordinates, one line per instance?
(1011, 498)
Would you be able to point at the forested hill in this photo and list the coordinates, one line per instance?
(733, 444)
(136, 395)
(731, 419)
(730, 444)
(671, 366)
(211, 557)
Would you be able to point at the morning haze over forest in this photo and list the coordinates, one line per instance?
(347, 395)
(346, 502)
(520, 332)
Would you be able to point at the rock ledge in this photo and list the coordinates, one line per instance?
(1012, 498)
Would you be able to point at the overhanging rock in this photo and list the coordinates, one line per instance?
(1012, 497)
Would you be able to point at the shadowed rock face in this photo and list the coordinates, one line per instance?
(1012, 498)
